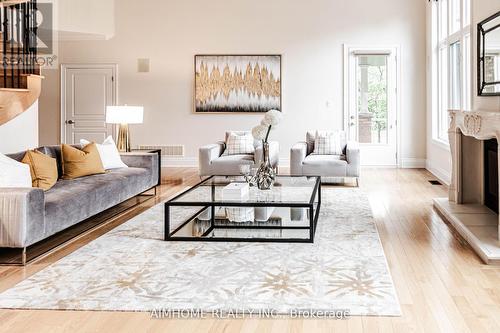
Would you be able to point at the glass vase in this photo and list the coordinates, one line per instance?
(265, 175)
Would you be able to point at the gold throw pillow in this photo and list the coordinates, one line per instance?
(43, 169)
(80, 162)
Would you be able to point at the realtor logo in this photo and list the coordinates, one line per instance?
(29, 35)
(44, 18)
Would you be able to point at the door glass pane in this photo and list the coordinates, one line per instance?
(371, 73)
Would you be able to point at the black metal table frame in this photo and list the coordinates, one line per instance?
(313, 217)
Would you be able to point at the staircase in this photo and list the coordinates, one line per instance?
(20, 79)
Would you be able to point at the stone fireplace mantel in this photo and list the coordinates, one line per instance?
(481, 125)
(465, 208)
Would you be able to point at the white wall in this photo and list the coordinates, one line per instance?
(439, 155)
(309, 35)
(89, 19)
(21, 133)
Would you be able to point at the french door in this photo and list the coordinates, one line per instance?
(371, 102)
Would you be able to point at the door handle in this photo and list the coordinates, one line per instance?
(352, 124)
(70, 122)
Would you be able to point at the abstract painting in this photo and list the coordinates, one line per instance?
(237, 83)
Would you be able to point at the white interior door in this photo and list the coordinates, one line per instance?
(371, 110)
(86, 91)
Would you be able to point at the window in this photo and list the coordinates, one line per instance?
(372, 108)
(451, 38)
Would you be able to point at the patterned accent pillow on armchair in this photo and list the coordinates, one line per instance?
(239, 144)
(329, 143)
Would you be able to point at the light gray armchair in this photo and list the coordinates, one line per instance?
(303, 163)
(213, 163)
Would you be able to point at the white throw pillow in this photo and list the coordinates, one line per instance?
(110, 157)
(239, 144)
(328, 143)
(14, 173)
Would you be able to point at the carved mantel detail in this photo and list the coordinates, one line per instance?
(472, 124)
(482, 125)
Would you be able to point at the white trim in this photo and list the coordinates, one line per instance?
(64, 68)
(413, 163)
(167, 161)
(284, 162)
(442, 40)
(379, 167)
(441, 144)
(392, 49)
(441, 174)
(375, 51)
(409, 163)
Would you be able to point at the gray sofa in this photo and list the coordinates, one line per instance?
(329, 167)
(213, 163)
(29, 215)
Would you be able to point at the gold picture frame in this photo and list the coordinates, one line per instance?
(237, 83)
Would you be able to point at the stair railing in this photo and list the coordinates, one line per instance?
(19, 43)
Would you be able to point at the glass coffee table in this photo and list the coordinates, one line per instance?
(286, 213)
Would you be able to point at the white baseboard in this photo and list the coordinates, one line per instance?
(284, 163)
(413, 163)
(443, 175)
(408, 163)
(179, 161)
(193, 162)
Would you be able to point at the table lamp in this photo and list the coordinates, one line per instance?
(124, 115)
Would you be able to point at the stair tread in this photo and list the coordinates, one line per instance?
(13, 2)
(9, 73)
(15, 89)
(21, 84)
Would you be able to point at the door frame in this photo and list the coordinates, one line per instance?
(394, 49)
(64, 69)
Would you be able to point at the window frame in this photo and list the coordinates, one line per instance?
(443, 41)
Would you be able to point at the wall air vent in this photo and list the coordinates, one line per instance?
(169, 150)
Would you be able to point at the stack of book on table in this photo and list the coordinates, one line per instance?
(238, 192)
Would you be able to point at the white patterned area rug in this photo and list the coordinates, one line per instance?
(132, 269)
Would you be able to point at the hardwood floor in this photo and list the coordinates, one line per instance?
(442, 285)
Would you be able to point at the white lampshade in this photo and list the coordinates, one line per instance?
(124, 114)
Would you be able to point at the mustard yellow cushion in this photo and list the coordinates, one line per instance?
(43, 169)
(80, 162)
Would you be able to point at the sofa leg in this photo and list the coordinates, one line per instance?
(357, 181)
(23, 257)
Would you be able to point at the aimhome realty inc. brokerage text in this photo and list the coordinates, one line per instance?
(252, 313)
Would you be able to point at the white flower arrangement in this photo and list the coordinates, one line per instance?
(271, 119)
(259, 132)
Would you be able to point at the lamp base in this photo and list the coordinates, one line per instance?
(123, 142)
